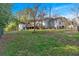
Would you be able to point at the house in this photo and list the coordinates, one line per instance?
(76, 21)
(58, 22)
(21, 26)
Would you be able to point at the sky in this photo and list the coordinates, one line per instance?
(62, 9)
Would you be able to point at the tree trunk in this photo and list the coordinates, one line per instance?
(34, 24)
(78, 28)
(1, 32)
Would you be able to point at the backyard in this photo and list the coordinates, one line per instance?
(40, 43)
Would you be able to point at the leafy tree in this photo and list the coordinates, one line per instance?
(5, 13)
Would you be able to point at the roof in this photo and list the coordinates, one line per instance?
(62, 18)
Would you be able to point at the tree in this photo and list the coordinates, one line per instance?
(42, 15)
(33, 13)
(5, 13)
(52, 15)
(29, 13)
(75, 11)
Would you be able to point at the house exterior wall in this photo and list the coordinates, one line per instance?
(48, 23)
(45, 23)
(54, 23)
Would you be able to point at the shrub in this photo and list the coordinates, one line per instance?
(11, 26)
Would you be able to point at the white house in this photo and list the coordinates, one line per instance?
(54, 22)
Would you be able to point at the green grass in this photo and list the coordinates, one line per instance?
(40, 43)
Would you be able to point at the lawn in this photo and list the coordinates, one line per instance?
(40, 43)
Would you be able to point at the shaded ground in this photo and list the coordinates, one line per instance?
(40, 43)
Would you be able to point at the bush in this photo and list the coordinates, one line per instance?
(11, 26)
